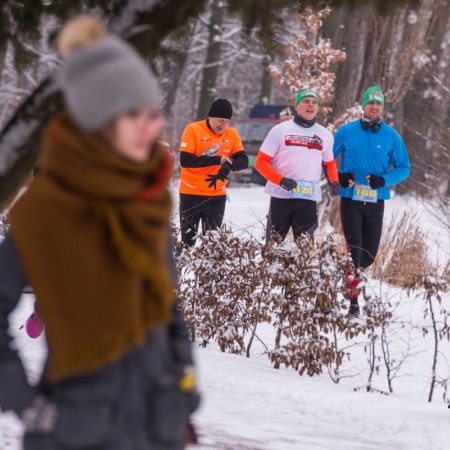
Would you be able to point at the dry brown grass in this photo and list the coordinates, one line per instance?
(403, 249)
(403, 252)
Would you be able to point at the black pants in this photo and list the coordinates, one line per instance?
(299, 214)
(193, 208)
(362, 224)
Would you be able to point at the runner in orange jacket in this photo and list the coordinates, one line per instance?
(209, 150)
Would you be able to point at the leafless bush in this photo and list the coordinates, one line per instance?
(309, 311)
(393, 360)
(228, 286)
(433, 288)
(378, 315)
(219, 289)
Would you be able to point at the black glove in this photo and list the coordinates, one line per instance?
(212, 180)
(288, 184)
(335, 188)
(376, 181)
(345, 177)
(221, 175)
(224, 171)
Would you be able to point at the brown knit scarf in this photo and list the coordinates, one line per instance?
(92, 235)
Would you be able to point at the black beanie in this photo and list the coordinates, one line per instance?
(221, 108)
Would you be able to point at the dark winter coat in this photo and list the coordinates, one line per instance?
(133, 404)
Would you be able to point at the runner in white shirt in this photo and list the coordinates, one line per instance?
(291, 159)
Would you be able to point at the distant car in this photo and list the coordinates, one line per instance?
(253, 131)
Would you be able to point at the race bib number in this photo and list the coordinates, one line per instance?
(304, 190)
(364, 193)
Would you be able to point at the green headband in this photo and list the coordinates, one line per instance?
(303, 93)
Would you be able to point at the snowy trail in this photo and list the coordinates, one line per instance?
(251, 405)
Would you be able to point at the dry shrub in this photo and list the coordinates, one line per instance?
(220, 289)
(228, 286)
(310, 310)
(403, 252)
(433, 288)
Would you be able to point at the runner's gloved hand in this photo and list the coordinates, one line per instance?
(224, 170)
(345, 177)
(221, 175)
(376, 182)
(335, 188)
(288, 184)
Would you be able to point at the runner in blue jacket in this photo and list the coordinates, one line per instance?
(374, 158)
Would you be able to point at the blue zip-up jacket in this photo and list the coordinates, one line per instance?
(366, 152)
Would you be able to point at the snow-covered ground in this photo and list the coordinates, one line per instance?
(249, 405)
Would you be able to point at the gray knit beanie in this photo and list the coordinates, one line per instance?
(104, 80)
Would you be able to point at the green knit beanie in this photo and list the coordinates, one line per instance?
(373, 94)
(303, 93)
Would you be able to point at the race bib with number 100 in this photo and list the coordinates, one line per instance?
(304, 190)
(364, 193)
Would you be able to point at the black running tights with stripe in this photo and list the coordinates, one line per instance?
(285, 213)
(362, 224)
(195, 208)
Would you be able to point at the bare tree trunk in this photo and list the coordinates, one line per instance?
(208, 91)
(424, 138)
(266, 81)
(176, 78)
(348, 29)
(393, 52)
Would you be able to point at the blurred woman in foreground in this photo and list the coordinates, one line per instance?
(91, 236)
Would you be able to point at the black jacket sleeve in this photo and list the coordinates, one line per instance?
(240, 161)
(188, 160)
(15, 392)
